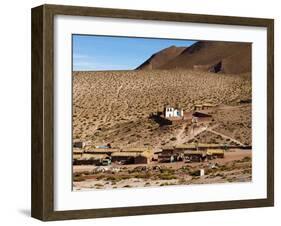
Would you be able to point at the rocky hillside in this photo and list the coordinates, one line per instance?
(209, 56)
(161, 58)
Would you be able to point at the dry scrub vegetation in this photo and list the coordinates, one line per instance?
(114, 107)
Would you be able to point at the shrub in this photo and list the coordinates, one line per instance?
(167, 176)
(195, 173)
(78, 179)
(246, 159)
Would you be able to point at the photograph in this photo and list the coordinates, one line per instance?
(150, 112)
(143, 111)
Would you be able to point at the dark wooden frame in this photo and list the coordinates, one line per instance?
(42, 203)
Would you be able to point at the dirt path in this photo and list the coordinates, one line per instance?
(225, 136)
(180, 136)
(196, 131)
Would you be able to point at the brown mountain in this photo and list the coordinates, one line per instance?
(161, 58)
(212, 56)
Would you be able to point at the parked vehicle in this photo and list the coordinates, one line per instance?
(106, 162)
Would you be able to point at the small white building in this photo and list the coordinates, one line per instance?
(172, 112)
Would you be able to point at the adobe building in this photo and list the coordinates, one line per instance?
(90, 159)
(124, 157)
(78, 144)
(133, 155)
(107, 151)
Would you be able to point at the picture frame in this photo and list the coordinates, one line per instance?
(43, 108)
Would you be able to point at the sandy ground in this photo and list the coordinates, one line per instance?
(114, 107)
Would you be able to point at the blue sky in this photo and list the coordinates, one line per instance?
(98, 53)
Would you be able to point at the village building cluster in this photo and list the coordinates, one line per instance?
(191, 152)
(145, 155)
(84, 154)
(106, 155)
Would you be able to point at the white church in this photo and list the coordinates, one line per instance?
(172, 112)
